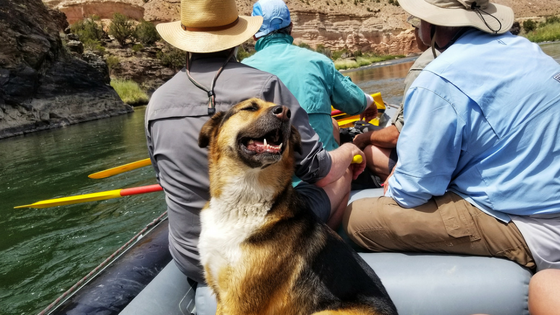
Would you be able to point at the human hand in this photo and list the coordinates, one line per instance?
(386, 183)
(369, 113)
(362, 140)
(358, 161)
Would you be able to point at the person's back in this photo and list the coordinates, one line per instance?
(310, 76)
(479, 154)
(176, 114)
(506, 132)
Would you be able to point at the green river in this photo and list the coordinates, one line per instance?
(43, 252)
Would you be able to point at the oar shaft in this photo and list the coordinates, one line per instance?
(93, 197)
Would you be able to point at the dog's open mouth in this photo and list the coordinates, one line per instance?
(259, 151)
(271, 143)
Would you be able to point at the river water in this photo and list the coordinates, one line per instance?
(43, 252)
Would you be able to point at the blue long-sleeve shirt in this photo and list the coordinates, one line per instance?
(483, 121)
(313, 80)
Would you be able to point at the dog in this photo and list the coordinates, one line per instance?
(262, 248)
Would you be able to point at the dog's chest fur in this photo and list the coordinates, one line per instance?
(228, 220)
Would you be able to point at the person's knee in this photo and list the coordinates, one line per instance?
(543, 292)
(357, 217)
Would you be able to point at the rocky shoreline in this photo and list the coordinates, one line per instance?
(42, 86)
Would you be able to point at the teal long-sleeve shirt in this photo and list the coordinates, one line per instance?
(313, 80)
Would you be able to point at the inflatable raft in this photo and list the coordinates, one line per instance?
(145, 281)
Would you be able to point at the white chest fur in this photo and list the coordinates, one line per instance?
(229, 220)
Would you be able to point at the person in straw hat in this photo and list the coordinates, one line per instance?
(209, 31)
(479, 155)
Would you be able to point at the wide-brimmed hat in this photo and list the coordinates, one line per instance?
(209, 26)
(275, 15)
(488, 17)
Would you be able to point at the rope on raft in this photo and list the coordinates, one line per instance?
(97, 270)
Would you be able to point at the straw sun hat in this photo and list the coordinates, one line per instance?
(209, 26)
(488, 17)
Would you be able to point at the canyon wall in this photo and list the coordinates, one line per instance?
(366, 25)
(41, 85)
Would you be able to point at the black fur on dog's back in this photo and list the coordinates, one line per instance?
(336, 277)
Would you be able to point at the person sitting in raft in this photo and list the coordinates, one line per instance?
(479, 156)
(312, 78)
(380, 145)
(210, 31)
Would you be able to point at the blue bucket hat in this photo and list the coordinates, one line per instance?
(275, 15)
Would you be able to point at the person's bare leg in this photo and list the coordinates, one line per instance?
(544, 292)
(339, 193)
(336, 131)
(377, 161)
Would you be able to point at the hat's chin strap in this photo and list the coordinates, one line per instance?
(476, 8)
(210, 92)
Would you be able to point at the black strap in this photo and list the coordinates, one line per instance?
(210, 91)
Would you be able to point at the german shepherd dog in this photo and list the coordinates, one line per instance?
(262, 248)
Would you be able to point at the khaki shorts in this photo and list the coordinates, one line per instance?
(445, 224)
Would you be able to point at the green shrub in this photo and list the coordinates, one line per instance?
(337, 54)
(137, 47)
(529, 26)
(552, 20)
(112, 62)
(549, 32)
(130, 92)
(172, 57)
(146, 33)
(242, 53)
(95, 46)
(304, 45)
(323, 50)
(88, 30)
(121, 28)
(363, 60)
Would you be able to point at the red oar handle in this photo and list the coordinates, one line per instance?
(140, 190)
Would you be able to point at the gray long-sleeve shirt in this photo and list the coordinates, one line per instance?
(174, 117)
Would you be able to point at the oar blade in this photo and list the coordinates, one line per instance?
(73, 199)
(120, 169)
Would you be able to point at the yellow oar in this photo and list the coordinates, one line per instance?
(121, 169)
(93, 197)
(345, 122)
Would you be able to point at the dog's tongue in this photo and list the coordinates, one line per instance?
(262, 147)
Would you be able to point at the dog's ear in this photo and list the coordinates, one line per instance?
(208, 128)
(295, 140)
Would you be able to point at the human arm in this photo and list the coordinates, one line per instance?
(428, 151)
(341, 160)
(347, 96)
(314, 162)
(383, 138)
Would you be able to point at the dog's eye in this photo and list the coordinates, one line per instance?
(251, 108)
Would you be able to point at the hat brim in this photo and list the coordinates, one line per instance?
(461, 17)
(210, 41)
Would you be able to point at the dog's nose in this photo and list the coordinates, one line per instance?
(282, 112)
